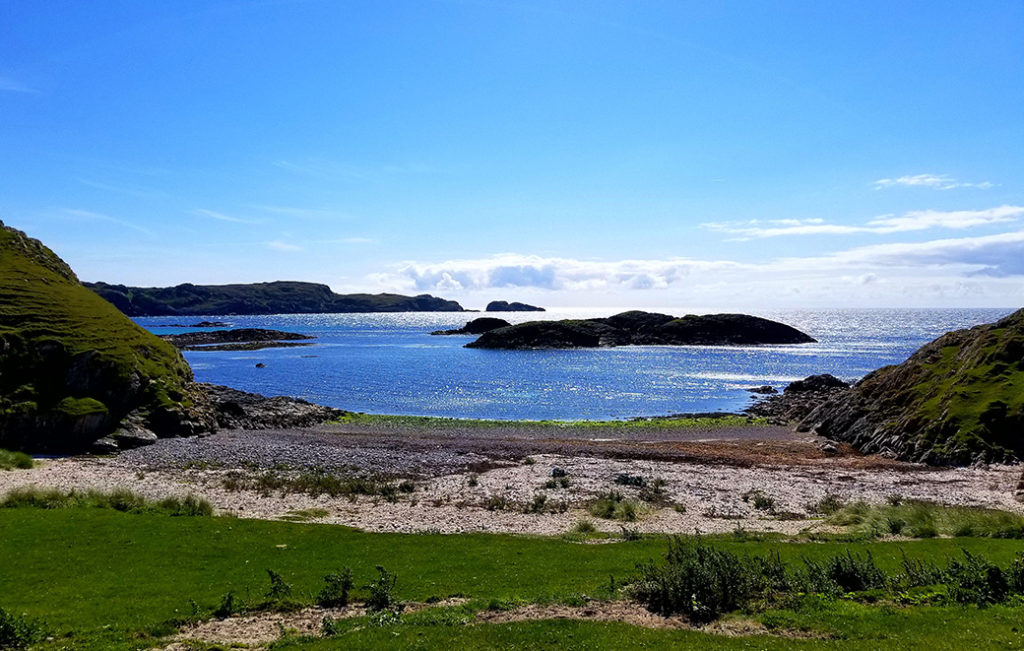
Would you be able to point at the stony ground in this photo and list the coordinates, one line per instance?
(488, 479)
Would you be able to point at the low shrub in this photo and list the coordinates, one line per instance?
(704, 582)
(976, 580)
(626, 479)
(613, 506)
(584, 526)
(279, 589)
(18, 631)
(827, 505)
(697, 580)
(229, 605)
(843, 573)
(381, 592)
(337, 586)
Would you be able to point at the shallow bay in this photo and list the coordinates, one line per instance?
(389, 363)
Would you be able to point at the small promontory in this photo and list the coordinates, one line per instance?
(281, 297)
(74, 370)
(637, 328)
(957, 400)
(514, 306)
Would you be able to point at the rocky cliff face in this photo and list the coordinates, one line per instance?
(73, 369)
(957, 400)
(282, 297)
(643, 329)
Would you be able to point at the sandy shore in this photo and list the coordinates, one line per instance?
(706, 477)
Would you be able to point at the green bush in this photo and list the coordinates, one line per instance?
(17, 631)
(382, 592)
(975, 580)
(843, 573)
(613, 506)
(279, 589)
(696, 580)
(337, 586)
(228, 606)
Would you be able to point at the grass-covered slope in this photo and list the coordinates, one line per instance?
(956, 400)
(72, 366)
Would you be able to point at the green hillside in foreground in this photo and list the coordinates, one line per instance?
(958, 399)
(71, 365)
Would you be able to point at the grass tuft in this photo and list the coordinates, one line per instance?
(15, 460)
(119, 499)
(918, 519)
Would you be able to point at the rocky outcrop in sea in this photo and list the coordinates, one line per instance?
(514, 306)
(643, 328)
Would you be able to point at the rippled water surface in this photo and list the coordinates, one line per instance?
(389, 363)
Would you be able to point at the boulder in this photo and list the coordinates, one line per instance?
(823, 382)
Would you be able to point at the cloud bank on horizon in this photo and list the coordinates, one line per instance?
(976, 270)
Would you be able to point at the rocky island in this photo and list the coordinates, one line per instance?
(237, 339)
(638, 328)
(281, 297)
(514, 306)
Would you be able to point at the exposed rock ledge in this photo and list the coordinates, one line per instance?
(644, 329)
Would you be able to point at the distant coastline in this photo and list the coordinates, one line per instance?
(280, 297)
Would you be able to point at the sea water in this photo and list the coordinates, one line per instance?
(390, 364)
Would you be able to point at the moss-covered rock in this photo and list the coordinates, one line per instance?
(957, 400)
(72, 367)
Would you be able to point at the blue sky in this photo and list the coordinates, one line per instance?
(672, 154)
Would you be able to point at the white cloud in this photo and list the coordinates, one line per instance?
(916, 220)
(986, 270)
(935, 181)
(957, 219)
(283, 246)
(513, 270)
(219, 216)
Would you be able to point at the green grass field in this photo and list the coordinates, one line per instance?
(102, 579)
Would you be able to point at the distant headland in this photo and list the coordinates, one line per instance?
(280, 297)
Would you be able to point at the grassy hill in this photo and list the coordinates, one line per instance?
(957, 400)
(71, 365)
